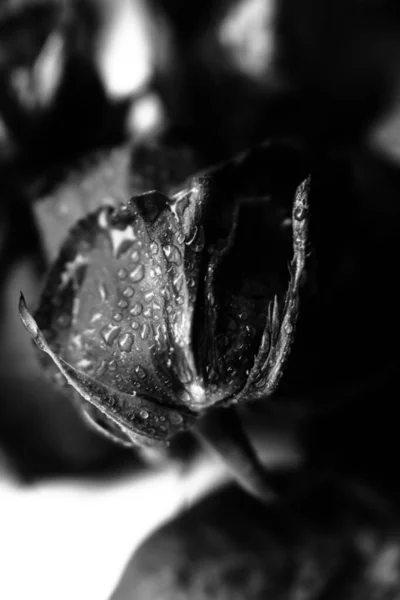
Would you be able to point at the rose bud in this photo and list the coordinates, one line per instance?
(165, 312)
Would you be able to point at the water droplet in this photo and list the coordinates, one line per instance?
(135, 256)
(288, 328)
(136, 309)
(125, 342)
(144, 414)
(299, 213)
(148, 313)
(162, 418)
(173, 254)
(185, 396)
(135, 325)
(103, 291)
(178, 282)
(122, 304)
(198, 242)
(148, 297)
(140, 372)
(112, 365)
(84, 365)
(175, 418)
(179, 300)
(137, 274)
(144, 333)
(110, 333)
(154, 247)
(117, 317)
(180, 238)
(128, 292)
(97, 316)
(101, 369)
(190, 240)
(251, 330)
(211, 299)
(122, 273)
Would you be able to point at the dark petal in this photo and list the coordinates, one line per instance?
(237, 307)
(247, 292)
(148, 422)
(281, 322)
(117, 301)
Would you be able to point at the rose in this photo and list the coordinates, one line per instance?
(158, 316)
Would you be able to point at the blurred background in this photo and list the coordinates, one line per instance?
(101, 99)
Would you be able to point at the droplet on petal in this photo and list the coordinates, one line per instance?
(137, 274)
(125, 342)
(135, 256)
(140, 372)
(136, 309)
(175, 418)
(128, 292)
(110, 333)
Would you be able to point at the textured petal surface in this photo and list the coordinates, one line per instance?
(161, 308)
